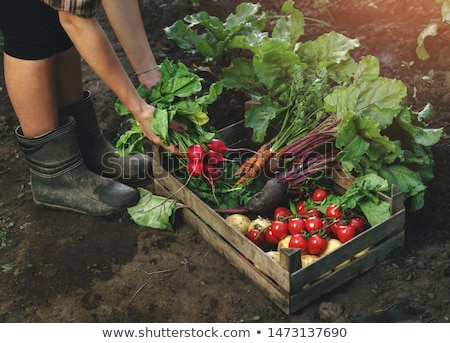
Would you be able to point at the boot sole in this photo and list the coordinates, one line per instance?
(65, 208)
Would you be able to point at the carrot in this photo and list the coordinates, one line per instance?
(245, 167)
(251, 167)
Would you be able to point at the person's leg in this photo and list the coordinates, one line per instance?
(32, 92)
(42, 74)
(99, 155)
(69, 83)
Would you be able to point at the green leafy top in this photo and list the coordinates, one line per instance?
(378, 134)
(177, 96)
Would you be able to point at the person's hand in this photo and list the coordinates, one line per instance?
(144, 118)
(149, 78)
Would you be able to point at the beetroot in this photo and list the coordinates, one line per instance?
(270, 197)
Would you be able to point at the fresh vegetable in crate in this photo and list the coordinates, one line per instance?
(322, 217)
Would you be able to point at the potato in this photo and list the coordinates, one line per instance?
(362, 253)
(274, 254)
(239, 221)
(259, 223)
(307, 259)
(332, 245)
(284, 243)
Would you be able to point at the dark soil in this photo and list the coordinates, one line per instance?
(66, 267)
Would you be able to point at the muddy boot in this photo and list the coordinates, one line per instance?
(60, 179)
(98, 154)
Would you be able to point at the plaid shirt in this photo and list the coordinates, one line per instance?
(82, 8)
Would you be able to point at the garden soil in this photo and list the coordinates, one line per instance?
(66, 267)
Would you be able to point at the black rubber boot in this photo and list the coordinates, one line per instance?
(99, 155)
(60, 179)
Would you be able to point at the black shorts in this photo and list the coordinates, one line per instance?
(31, 30)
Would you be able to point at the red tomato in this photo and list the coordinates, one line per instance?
(314, 212)
(279, 229)
(316, 244)
(358, 223)
(313, 223)
(300, 207)
(333, 211)
(335, 226)
(345, 233)
(319, 195)
(298, 241)
(296, 225)
(256, 236)
(270, 238)
(281, 213)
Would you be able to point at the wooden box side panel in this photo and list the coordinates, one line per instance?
(337, 278)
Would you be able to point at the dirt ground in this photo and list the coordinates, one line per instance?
(66, 267)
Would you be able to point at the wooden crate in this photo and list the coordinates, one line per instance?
(286, 283)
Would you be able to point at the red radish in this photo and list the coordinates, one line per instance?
(213, 157)
(195, 152)
(195, 168)
(219, 146)
(211, 172)
(208, 168)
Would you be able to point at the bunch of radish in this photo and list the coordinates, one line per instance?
(206, 160)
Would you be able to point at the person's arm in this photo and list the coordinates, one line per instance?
(93, 45)
(126, 20)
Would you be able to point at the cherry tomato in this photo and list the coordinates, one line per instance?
(358, 223)
(270, 238)
(296, 225)
(279, 229)
(319, 195)
(300, 207)
(298, 241)
(281, 213)
(335, 226)
(314, 212)
(333, 211)
(345, 233)
(256, 236)
(313, 223)
(316, 244)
